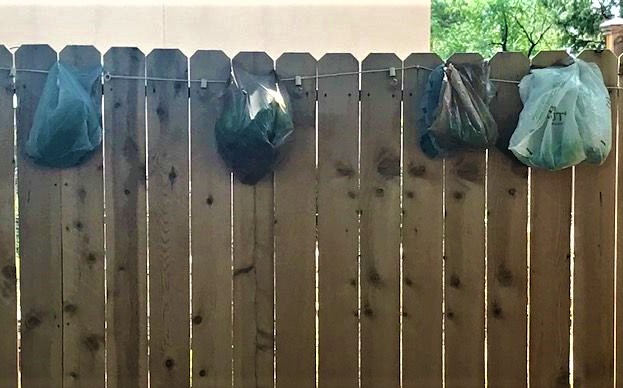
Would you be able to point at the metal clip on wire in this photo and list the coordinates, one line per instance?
(392, 75)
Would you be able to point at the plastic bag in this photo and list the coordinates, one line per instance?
(461, 119)
(253, 126)
(67, 124)
(566, 117)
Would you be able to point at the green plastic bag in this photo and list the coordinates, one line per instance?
(67, 125)
(566, 117)
(462, 119)
(253, 126)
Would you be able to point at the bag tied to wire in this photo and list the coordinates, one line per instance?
(67, 123)
(455, 110)
(253, 126)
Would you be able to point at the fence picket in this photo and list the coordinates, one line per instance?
(211, 229)
(593, 290)
(465, 264)
(380, 222)
(126, 219)
(167, 123)
(422, 239)
(8, 281)
(295, 231)
(619, 249)
(338, 224)
(82, 213)
(550, 254)
(41, 276)
(507, 245)
(254, 266)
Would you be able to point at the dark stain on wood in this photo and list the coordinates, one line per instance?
(374, 278)
(9, 272)
(351, 194)
(169, 363)
(73, 375)
(197, 319)
(450, 314)
(455, 281)
(78, 225)
(410, 194)
(202, 373)
(512, 192)
(379, 192)
(244, 270)
(469, 171)
(367, 310)
(91, 257)
(388, 165)
(504, 275)
(417, 170)
(31, 321)
(408, 281)
(458, 195)
(117, 105)
(126, 192)
(210, 200)
(82, 194)
(353, 282)
(344, 169)
(496, 309)
(172, 176)
(162, 113)
(70, 308)
(93, 342)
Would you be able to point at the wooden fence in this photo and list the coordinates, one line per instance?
(149, 265)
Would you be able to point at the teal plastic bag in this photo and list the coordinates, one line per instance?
(566, 117)
(253, 126)
(457, 115)
(67, 125)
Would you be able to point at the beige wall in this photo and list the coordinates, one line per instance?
(276, 26)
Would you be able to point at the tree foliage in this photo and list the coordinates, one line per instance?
(488, 26)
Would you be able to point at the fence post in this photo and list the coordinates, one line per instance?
(613, 32)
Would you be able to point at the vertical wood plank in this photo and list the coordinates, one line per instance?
(380, 222)
(211, 228)
(465, 264)
(338, 224)
(593, 290)
(422, 238)
(82, 212)
(254, 266)
(295, 231)
(8, 283)
(39, 194)
(167, 118)
(619, 262)
(126, 219)
(507, 244)
(550, 196)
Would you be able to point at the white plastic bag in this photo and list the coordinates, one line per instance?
(565, 119)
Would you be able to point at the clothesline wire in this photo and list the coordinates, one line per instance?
(107, 76)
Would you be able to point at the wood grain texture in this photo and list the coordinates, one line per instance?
(549, 268)
(338, 222)
(295, 231)
(593, 290)
(507, 240)
(211, 228)
(618, 378)
(167, 123)
(82, 212)
(126, 219)
(254, 266)
(380, 222)
(8, 280)
(40, 249)
(422, 238)
(465, 263)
